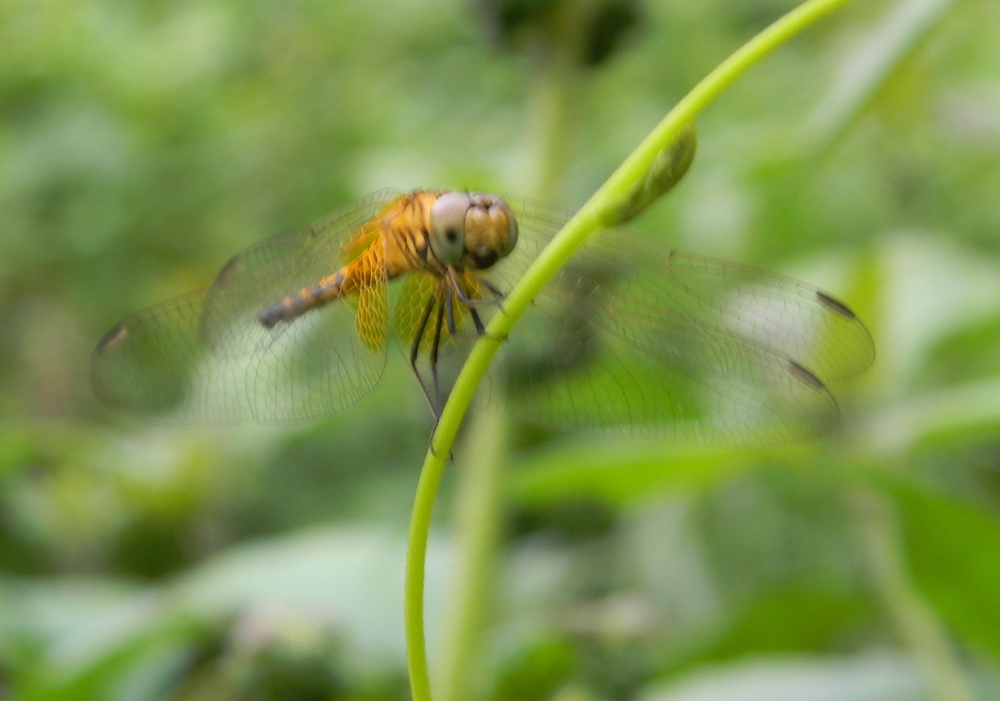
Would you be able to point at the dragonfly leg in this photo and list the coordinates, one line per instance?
(455, 287)
(481, 328)
(415, 356)
(497, 293)
(439, 323)
(464, 298)
(449, 304)
(425, 316)
(436, 345)
(477, 321)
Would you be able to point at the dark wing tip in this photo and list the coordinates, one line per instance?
(112, 339)
(806, 376)
(228, 270)
(835, 306)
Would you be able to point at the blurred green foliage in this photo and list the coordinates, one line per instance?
(142, 144)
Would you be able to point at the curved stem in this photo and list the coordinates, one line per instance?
(413, 592)
(477, 507)
(597, 213)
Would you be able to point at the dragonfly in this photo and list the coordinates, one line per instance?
(633, 336)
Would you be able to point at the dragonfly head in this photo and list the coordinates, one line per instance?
(471, 229)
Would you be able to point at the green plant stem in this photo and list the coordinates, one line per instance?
(413, 588)
(478, 503)
(918, 627)
(555, 92)
(597, 213)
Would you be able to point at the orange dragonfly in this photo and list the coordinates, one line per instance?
(633, 335)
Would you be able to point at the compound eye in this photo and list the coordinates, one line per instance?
(447, 226)
(508, 214)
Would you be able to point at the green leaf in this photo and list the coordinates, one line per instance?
(954, 552)
(621, 472)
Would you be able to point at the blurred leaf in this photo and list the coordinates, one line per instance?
(505, 20)
(619, 472)
(610, 27)
(91, 637)
(98, 640)
(536, 670)
(773, 624)
(965, 356)
(871, 63)
(604, 26)
(351, 576)
(862, 678)
(953, 549)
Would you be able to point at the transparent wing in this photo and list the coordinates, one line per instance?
(637, 336)
(206, 357)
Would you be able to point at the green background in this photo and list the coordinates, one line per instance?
(143, 143)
